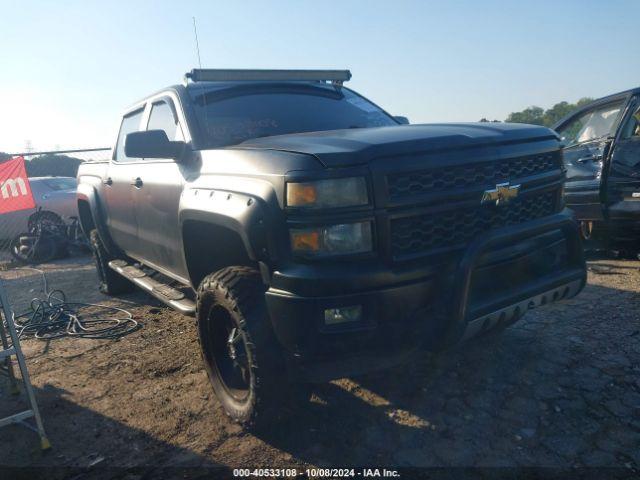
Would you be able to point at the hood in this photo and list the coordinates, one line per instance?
(339, 148)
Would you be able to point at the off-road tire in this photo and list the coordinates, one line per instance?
(238, 294)
(111, 283)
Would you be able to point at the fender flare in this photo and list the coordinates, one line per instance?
(245, 214)
(88, 194)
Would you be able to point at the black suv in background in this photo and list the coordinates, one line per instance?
(602, 157)
(314, 236)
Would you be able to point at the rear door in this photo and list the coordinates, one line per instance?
(623, 182)
(119, 189)
(588, 137)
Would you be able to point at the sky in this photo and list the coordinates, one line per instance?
(68, 69)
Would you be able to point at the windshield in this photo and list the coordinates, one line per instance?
(232, 115)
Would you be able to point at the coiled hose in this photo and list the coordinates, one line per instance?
(55, 317)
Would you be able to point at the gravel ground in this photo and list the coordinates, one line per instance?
(559, 389)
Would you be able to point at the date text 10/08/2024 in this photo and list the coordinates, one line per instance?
(316, 472)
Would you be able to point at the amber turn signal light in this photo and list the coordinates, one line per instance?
(301, 194)
(306, 241)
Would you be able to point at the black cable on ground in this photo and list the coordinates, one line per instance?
(54, 317)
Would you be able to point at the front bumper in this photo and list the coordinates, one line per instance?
(498, 277)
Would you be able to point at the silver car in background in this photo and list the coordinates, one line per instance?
(54, 194)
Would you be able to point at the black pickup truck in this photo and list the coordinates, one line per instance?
(602, 157)
(315, 236)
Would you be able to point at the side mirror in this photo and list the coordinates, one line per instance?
(152, 144)
(401, 120)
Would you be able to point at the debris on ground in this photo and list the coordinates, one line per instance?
(560, 388)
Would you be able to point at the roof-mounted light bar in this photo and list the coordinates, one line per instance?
(337, 77)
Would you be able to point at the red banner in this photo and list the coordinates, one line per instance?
(15, 191)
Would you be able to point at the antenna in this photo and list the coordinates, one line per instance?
(195, 33)
(206, 110)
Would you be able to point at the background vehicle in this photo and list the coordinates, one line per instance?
(602, 156)
(54, 194)
(48, 237)
(314, 236)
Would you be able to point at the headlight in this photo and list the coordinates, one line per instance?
(335, 192)
(350, 238)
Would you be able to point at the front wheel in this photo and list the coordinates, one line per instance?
(239, 348)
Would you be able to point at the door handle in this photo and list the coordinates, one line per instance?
(137, 182)
(587, 159)
(108, 182)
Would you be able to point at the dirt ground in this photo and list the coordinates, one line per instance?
(559, 389)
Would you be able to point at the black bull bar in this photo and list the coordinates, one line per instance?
(570, 281)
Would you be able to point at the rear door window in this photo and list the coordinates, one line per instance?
(130, 123)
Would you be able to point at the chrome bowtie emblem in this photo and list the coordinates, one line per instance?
(501, 195)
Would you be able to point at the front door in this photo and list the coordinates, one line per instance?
(157, 199)
(588, 137)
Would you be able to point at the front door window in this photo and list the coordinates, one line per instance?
(587, 138)
(592, 125)
(163, 117)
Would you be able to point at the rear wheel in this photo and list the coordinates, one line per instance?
(111, 283)
(586, 229)
(239, 348)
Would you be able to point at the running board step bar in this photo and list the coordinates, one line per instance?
(163, 292)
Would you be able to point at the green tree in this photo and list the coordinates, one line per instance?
(533, 115)
(49, 165)
(537, 116)
(555, 113)
(53, 165)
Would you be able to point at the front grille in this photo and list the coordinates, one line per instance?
(422, 234)
(467, 176)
